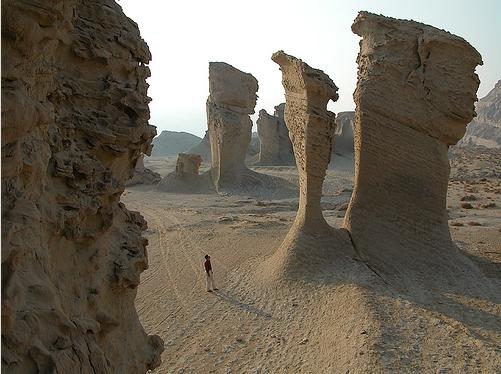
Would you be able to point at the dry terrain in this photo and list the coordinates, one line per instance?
(255, 324)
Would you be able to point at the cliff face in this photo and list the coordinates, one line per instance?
(485, 129)
(74, 121)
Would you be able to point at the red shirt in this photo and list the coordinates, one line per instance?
(207, 265)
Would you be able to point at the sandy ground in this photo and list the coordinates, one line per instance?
(254, 326)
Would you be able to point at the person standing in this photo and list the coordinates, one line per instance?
(211, 284)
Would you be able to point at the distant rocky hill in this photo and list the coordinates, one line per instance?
(170, 143)
(202, 148)
(485, 129)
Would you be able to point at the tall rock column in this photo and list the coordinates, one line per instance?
(285, 145)
(269, 146)
(415, 94)
(74, 122)
(311, 129)
(232, 98)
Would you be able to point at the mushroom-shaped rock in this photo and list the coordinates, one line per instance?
(232, 98)
(415, 94)
(311, 129)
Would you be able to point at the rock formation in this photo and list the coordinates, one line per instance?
(285, 149)
(186, 178)
(267, 130)
(343, 143)
(143, 175)
(311, 128)
(275, 145)
(485, 129)
(397, 215)
(188, 164)
(232, 98)
(74, 121)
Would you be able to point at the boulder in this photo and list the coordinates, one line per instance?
(188, 164)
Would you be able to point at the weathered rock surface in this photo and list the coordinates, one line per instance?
(485, 129)
(285, 149)
(74, 121)
(188, 164)
(232, 98)
(397, 215)
(275, 147)
(143, 175)
(343, 143)
(311, 128)
(170, 143)
(267, 130)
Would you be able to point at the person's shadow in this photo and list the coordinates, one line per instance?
(231, 299)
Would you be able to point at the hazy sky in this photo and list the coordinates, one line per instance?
(185, 35)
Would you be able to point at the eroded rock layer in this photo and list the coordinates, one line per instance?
(397, 216)
(232, 98)
(286, 152)
(74, 121)
(275, 145)
(188, 164)
(311, 128)
(267, 130)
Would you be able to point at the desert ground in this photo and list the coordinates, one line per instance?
(253, 325)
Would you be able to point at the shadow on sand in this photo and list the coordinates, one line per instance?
(231, 299)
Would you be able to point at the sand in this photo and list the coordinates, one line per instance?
(256, 323)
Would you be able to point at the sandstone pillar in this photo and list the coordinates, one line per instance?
(269, 146)
(311, 129)
(415, 94)
(232, 98)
